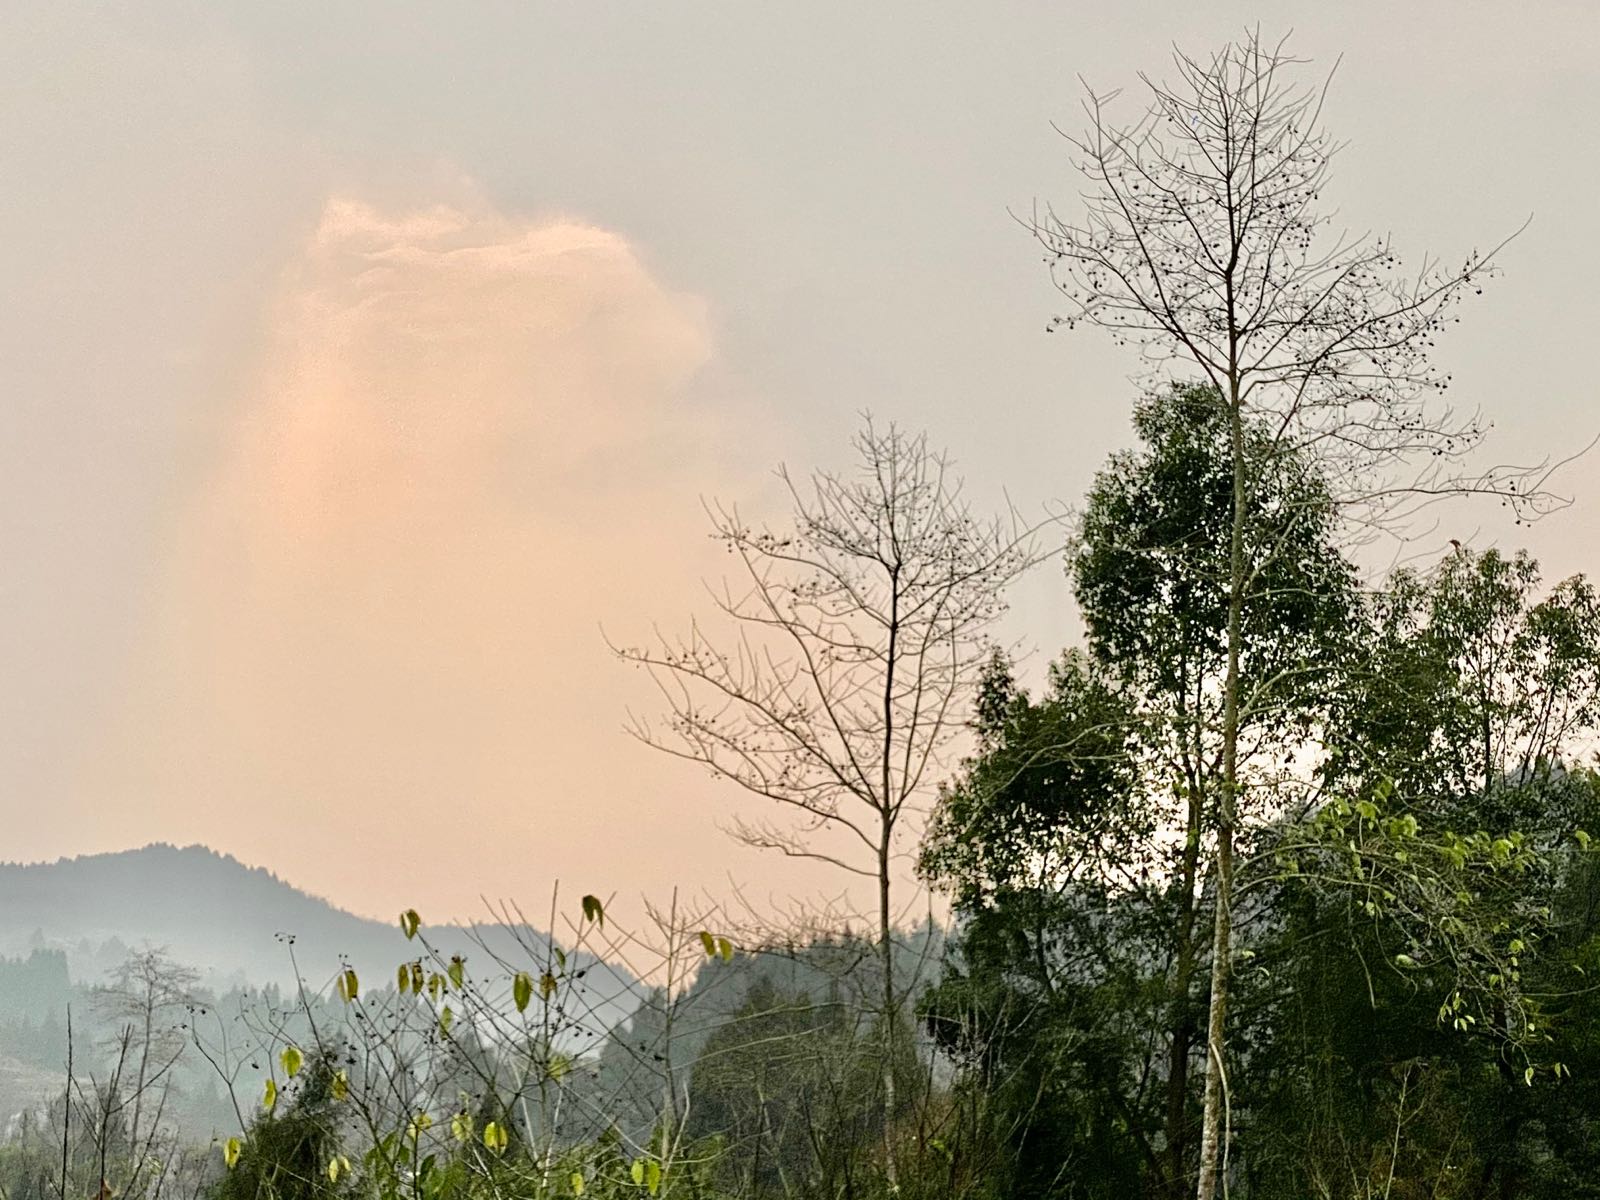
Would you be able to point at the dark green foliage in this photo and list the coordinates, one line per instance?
(286, 1152)
(1473, 688)
(1151, 564)
(1048, 796)
(1073, 841)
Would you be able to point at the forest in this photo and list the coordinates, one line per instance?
(1280, 884)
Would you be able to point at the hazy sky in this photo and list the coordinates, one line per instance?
(358, 361)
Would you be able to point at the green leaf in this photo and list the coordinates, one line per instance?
(652, 1176)
(725, 949)
(458, 970)
(521, 990)
(1527, 1077)
(269, 1097)
(1581, 838)
(349, 985)
(592, 910)
(636, 1171)
(292, 1059)
(1367, 809)
(446, 1018)
(495, 1137)
(409, 922)
(402, 978)
(1405, 960)
(710, 944)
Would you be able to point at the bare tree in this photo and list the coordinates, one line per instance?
(858, 635)
(1202, 243)
(146, 1000)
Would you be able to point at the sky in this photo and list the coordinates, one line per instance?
(364, 365)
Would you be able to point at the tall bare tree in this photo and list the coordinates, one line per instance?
(857, 638)
(1203, 244)
(146, 1001)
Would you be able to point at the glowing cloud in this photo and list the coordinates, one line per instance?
(377, 662)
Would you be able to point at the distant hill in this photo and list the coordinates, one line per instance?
(214, 913)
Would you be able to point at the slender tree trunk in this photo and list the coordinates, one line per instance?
(144, 1063)
(1213, 1133)
(66, 1111)
(1181, 1024)
(885, 913)
(886, 958)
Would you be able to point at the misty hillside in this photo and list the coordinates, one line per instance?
(210, 911)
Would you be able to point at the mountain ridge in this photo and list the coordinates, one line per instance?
(234, 923)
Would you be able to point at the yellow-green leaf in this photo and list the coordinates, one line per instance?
(458, 970)
(269, 1097)
(652, 1176)
(725, 949)
(341, 1084)
(402, 978)
(521, 990)
(446, 1017)
(547, 984)
(292, 1059)
(461, 1127)
(349, 985)
(577, 1183)
(495, 1137)
(409, 922)
(230, 1151)
(710, 944)
(636, 1171)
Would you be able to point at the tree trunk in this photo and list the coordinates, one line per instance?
(888, 814)
(1213, 1133)
(886, 958)
(1180, 1024)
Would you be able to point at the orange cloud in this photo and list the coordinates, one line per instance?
(377, 666)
